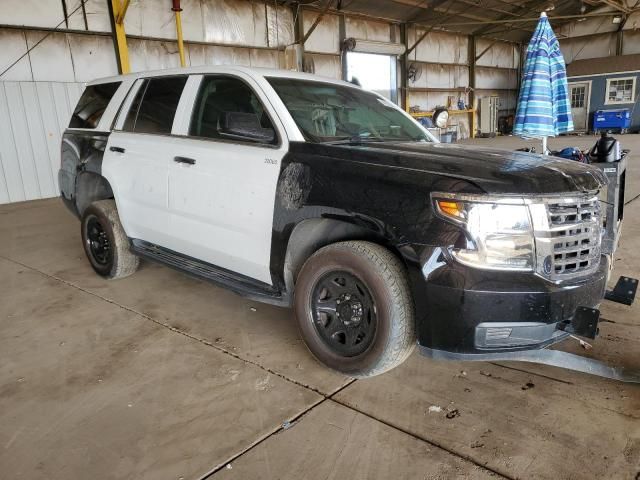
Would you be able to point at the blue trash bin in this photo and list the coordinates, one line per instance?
(612, 119)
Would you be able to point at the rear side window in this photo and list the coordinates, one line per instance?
(155, 105)
(92, 105)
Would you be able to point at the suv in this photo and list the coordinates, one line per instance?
(301, 191)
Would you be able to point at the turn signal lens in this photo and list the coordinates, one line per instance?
(452, 209)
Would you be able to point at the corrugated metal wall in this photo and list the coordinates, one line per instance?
(33, 116)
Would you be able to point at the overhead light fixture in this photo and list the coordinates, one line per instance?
(550, 7)
(617, 19)
(583, 7)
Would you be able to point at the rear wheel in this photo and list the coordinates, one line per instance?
(354, 308)
(105, 242)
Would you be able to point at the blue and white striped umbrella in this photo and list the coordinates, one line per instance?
(544, 106)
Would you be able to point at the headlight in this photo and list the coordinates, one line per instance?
(499, 230)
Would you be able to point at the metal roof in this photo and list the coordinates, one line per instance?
(499, 19)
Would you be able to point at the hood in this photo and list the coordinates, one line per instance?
(494, 171)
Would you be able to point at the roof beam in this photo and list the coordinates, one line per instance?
(618, 6)
(530, 19)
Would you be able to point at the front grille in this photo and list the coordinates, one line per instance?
(576, 232)
(568, 235)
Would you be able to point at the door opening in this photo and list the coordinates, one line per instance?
(374, 72)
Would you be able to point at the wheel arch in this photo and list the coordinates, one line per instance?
(310, 235)
(91, 187)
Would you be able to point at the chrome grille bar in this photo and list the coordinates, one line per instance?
(568, 235)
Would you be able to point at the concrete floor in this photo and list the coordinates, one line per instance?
(159, 376)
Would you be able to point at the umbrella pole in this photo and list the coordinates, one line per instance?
(545, 151)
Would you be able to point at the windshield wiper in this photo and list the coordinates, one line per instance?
(358, 140)
(355, 140)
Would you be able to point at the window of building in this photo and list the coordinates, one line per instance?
(620, 90)
(577, 96)
(92, 104)
(155, 105)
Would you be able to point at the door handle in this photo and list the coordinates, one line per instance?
(187, 160)
(117, 149)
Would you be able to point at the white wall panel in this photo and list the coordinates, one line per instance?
(93, 57)
(588, 47)
(327, 65)
(427, 101)
(439, 47)
(500, 54)
(326, 37)
(152, 55)
(97, 15)
(631, 42)
(33, 116)
(237, 22)
(264, 58)
(368, 29)
(51, 59)
(279, 22)
(441, 76)
(487, 77)
(34, 13)
(14, 45)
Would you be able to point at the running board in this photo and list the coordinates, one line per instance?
(239, 284)
(555, 358)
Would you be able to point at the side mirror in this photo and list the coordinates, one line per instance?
(244, 126)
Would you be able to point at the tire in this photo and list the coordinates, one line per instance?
(342, 290)
(105, 243)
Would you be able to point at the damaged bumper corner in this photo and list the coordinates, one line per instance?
(543, 356)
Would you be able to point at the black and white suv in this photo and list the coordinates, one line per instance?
(307, 192)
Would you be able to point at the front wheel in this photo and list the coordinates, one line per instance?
(105, 242)
(354, 308)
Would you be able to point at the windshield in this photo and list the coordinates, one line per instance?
(330, 113)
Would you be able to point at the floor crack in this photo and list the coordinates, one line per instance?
(173, 329)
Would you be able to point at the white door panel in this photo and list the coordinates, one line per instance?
(579, 95)
(221, 207)
(139, 179)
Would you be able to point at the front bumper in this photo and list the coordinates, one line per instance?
(470, 311)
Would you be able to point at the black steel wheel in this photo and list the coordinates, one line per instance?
(344, 313)
(105, 242)
(354, 308)
(98, 241)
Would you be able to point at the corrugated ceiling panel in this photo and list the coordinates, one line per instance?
(33, 116)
